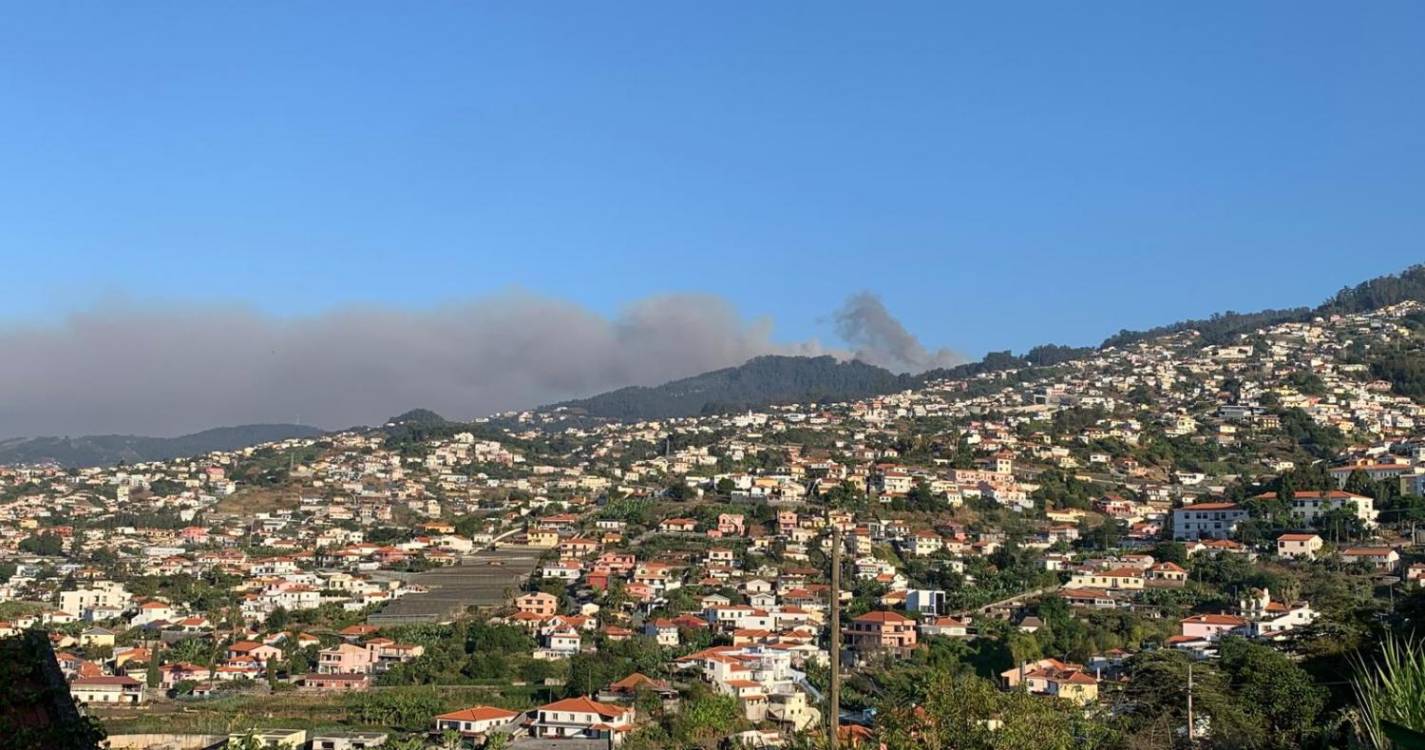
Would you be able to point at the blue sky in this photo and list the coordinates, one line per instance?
(1002, 176)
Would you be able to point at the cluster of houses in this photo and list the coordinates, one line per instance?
(722, 562)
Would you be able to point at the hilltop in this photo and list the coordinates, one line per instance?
(760, 381)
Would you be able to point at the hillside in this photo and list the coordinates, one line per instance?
(107, 450)
(780, 379)
(763, 380)
(1374, 294)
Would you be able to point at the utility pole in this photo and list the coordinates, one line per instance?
(1191, 728)
(833, 710)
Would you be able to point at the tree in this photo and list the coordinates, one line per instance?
(45, 545)
(1340, 523)
(1359, 483)
(706, 719)
(277, 618)
(1286, 489)
(960, 711)
(589, 672)
(1106, 535)
(1275, 689)
(302, 660)
(1156, 700)
(921, 497)
(1173, 552)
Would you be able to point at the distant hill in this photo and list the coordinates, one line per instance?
(418, 418)
(107, 450)
(761, 381)
(783, 380)
(1382, 291)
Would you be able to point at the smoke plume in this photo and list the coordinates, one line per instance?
(880, 339)
(166, 370)
(175, 369)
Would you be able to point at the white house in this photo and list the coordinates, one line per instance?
(475, 721)
(582, 718)
(1304, 546)
(111, 690)
(1207, 520)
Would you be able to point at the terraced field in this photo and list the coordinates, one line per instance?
(484, 579)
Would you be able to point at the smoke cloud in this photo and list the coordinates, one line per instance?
(879, 339)
(166, 370)
(176, 369)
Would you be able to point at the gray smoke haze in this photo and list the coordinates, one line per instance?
(169, 370)
(166, 370)
(880, 339)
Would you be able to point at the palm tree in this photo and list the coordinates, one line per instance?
(1390, 694)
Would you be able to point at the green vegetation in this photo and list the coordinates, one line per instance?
(969, 713)
(1223, 327)
(1254, 697)
(705, 720)
(1390, 692)
(50, 545)
(1379, 292)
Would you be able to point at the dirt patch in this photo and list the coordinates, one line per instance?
(249, 501)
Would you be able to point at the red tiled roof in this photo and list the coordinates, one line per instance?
(585, 706)
(479, 713)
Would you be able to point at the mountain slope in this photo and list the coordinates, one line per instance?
(1382, 291)
(105, 450)
(775, 379)
(762, 380)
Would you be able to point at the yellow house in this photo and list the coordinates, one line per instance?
(1079, 687)
(96, 637)
(1119, 578)
(543, 538)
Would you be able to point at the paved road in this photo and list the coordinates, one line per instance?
(1011, 600)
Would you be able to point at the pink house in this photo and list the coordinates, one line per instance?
(172, 674)
(385, 652)
(881, 630)
(1210, 627)
(252, 651)
(731, 524)
(344, 659)
(538, 603)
